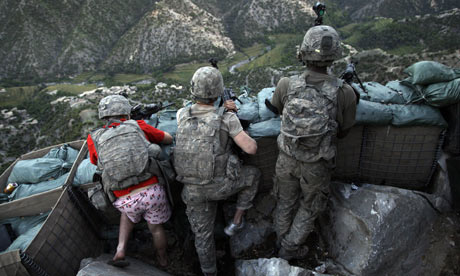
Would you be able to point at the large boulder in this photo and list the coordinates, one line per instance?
(270, 267)
(379, 230)
(258, 225)
(99, 267)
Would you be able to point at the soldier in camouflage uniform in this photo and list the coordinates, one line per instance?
(315, 109)
(205, 163)
(122, 150)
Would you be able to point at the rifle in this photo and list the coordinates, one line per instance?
(349, 74)
(141, 112)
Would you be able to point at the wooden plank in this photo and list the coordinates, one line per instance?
(31, 205)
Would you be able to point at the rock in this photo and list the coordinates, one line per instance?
(99, 267)
(269, 267)
(371, 229)
(254, 233)
(258, 225)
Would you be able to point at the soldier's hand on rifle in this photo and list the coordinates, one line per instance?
(230, 106)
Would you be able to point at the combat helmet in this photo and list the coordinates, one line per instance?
(320, 46)
(207, 84)
(113, 105)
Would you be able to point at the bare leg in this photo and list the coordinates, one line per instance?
(238, 215)
(126, 226)
(159, 243)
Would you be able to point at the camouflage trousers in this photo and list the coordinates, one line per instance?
(302, 185)
(201, 201)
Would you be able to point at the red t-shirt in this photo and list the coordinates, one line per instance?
(152, 134)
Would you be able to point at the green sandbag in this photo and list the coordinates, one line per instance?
(21, 225)
(85, 173)
(429, 72)
(38, 170)
(264, 112)
(407, 92)
(25, 239)
(416, 115)
(248, 109)
(266, 128)
(64, 152)
(443, 93)
(25, 190)
(167, 121)
(378, 93)
(370, 113)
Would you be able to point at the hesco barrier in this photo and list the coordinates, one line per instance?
(452, 115)
(404, 157)
(265, 160)
(68, 235)
(348, 155)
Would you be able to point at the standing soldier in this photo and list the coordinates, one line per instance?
(204, 162)
(315, 108)
(121, 150)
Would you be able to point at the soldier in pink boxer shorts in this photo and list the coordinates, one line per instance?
(121, 149)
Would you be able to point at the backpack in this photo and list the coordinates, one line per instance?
(309, 120)
(123, 155)
(197, 159)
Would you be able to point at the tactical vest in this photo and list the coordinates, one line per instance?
(199, 156)
(123, 155)
(309, 125)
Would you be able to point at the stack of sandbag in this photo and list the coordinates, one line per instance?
(85, 172)
(38, 175)
(264, 127)
(25, 229)
(401, 137)
(263, 122)
(439, 86)
(435, 83)
(34, 176)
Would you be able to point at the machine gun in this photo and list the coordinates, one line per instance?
(320, 9)
(229, 95)
(349, 74)
(141, 112)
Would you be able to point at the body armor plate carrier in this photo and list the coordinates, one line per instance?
(199, 156)
(309, 124)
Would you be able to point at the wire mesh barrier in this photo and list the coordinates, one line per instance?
(265, 160)
(348, 155)
(68, 234)
(65, 238)
(452, 141)
(404, 157)
(31, 265)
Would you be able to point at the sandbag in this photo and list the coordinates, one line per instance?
(267, 128)
(442, 94)
(407, 92)
(371, 113)
(21, 225)
(25, 190)
(64, 152)
(25, 239)
(38, 170)
(167, 122)
(264, 112)
(378, 93)
(85, 172)
(248, 109)
(429, 72)
(416, 115)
